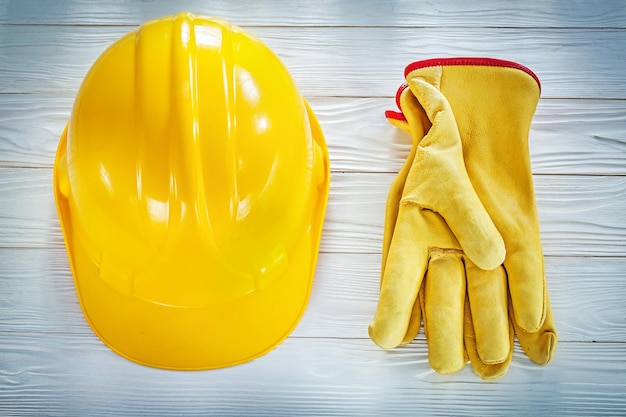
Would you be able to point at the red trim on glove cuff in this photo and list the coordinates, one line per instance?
(390, 114)
(488, 62)
(395, 115)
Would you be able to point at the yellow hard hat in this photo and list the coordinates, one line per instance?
(191, 184)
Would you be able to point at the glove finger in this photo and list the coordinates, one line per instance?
(487, 371)
(529, 295)
(391, 213)
(416, 319)
(420, 126)
(391, 216)
(439, 180)
(404, 271)
(539, 345)
(444, 300)
(488, 301)
(393, 203)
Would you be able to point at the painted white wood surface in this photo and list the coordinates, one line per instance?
(348, 58)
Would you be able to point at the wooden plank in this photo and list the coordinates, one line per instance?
(553, 14)
(27, 209)
(567, 136)
(579, 137)
(38, 296)
(594, 226)
(340, 61)
(348, 58)
(77, 375)
(30, 127)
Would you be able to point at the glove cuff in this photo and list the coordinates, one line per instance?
(468, 61)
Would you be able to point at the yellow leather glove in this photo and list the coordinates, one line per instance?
(439, 217)
(444, 333)
(442, 293)
(490, 104)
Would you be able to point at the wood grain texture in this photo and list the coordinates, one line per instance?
(579, 215)
(594, 226)
(567, 136)
(81, 376)
(348, 58)
(55, 58)
(450, 13)
(39, 296)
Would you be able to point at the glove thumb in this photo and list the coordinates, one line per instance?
(438, 179)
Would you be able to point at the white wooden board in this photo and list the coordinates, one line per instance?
(339, 61)
(348, 59)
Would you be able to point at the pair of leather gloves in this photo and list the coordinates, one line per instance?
(462, 250)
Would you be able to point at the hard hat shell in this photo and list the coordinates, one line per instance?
(191, 184)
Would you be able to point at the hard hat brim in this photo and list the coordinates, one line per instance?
(195, 338)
